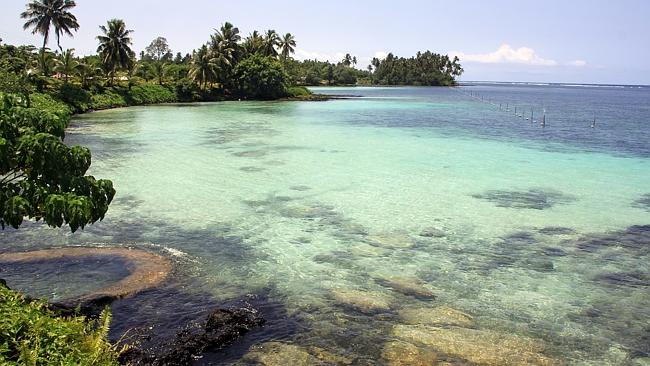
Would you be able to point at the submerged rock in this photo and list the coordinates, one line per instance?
(556, 230)
(399, 353)
(536, 199)
(251, 153)
(433, 232)
(625, 279)
(478, 346)
(438, 316)
(390, 240)
(407, 286)
(281, 354)
(366, 302)
(366, 250)
(251, 169)
(635, 238)
(643, 202)
(300, 188)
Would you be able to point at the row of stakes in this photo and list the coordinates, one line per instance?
(542, 122)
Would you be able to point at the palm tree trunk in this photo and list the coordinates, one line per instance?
(43, 55)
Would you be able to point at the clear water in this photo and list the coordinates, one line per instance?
(536, 225)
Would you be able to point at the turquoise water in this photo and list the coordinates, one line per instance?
(533, 229)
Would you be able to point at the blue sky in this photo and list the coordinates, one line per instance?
(594, 41)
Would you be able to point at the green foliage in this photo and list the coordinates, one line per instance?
(427, 69)
(261, 77)
(298, 91)
(75, 96)
(40, 176)
(30, 334)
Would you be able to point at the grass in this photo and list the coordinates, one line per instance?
(30, 334)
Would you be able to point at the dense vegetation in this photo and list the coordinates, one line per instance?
(30, 334)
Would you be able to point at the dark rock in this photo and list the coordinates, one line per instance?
(221, 328)
(626, 279)
(536, 199)
(636, 238)
(643, 202)
(539, 264)
(556, 230)
(553, 252)
(432, 232)
(519, 238)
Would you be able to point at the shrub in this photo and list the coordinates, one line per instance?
(298, 91)
(259, 77)
(75, 96)
(30, 334)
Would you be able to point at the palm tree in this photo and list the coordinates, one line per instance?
(41, 15)
(66, 64)
(287, 44)
(253, 43)
(114, 47)
(203, 68)
(347, 60)
(226, 40)
(354, 61)
(87, 70)
(271, 40)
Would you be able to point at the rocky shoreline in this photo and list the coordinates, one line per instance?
(147, 271)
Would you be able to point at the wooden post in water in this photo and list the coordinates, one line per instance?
(507, 109)
(593, 124)
(543, 123)
(531, 115)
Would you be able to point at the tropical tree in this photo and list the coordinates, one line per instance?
(287, 44)
(42, 15)
(66, 64)
(225, 50)
(254, 43)
(261, 77)
(347, 60)
(203, 68)
(115, 47)
(158, 49)
(271, 41)
(87, 70)
(43, 178)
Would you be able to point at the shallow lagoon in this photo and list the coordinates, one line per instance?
(410, 197)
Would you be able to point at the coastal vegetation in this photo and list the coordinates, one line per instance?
(32, 334)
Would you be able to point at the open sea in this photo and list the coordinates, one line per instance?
(433, 222)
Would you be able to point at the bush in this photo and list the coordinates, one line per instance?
(298, 91)
(259, 77)
(187, 91)
(30, 334)
(75, 96)
(107, 99)
(148, 94)
(47, 103)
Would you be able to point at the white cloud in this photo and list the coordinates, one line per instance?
(309, 55)
(381, 54)
(506, 54)
(579, 63)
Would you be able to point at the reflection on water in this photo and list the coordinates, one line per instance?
(371, 228)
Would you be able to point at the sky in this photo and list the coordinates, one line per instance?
(575, 41)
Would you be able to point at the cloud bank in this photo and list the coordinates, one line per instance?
(506, 54)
